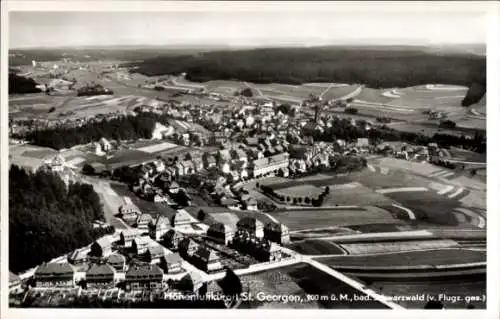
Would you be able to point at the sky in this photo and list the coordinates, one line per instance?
(53, 29)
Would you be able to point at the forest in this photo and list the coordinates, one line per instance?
(122, 128)
(48, 219)
(22, 85)
(377, 68)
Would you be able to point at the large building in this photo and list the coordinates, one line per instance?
(252, 225)
(267, 165)
(102, 247)
(277, 232)
(220, 233)
(55, 275)
(148, 277)
(100, 276)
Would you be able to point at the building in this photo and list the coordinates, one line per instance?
(172, 263)
(129, 213)
(181, 218)
(249, 203)
(140, 245)
(148, 277)
(206, 259)
(55, 275)
(252, 225)
(105, 145)
(191, 282)
(143, 223)
(127, 236)
(277, 232)
(172, 238)
(155, 253)
(117, 261)
(78, 257)
(267, 165)
(187, 247)
(102, 247)
(220, 233)
(173, 188)
(100, 276)
(158, 227)
(261, 249)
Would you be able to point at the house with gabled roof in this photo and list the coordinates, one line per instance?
(117, 261)
(277, 232)
(220, 233)
(158, 227)
(187, 247)
(252, 225)
(181, 218)
(172, 238)
(127, 236)
(141, 244)
(143, 223)
(55, 275)
(102, 246)
(78, 256)
(154, 253)
(140, 277)
(100, 276)
(207, 259)
(171, 263)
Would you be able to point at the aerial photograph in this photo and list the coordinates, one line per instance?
(247, 159)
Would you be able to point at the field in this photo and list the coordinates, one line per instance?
(301, 219)
(409, 259)
(396, 246)
(300, 280)
(316, 247)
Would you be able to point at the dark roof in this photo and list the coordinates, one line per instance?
(186, 242)
(156, 251)
(173, 258)
(206, 254)
(55, 269)
(105, 242)
(219, 228)
(102, 269)
(249, 223)
(116, 258)
(146, 270)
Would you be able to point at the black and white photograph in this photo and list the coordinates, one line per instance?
(250, 157)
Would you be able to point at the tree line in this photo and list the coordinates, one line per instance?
(47, 218)
(377, 68)
(342, 129)
(22, 85)
(127, 127)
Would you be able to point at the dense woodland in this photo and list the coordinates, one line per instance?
(376, 68)
(122, 128)
(22, 85)
(48, 219)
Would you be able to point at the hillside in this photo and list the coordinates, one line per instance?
(375, 67)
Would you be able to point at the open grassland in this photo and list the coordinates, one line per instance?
(316, 247)
(319, 218)
(432, 257)
(396, 246)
